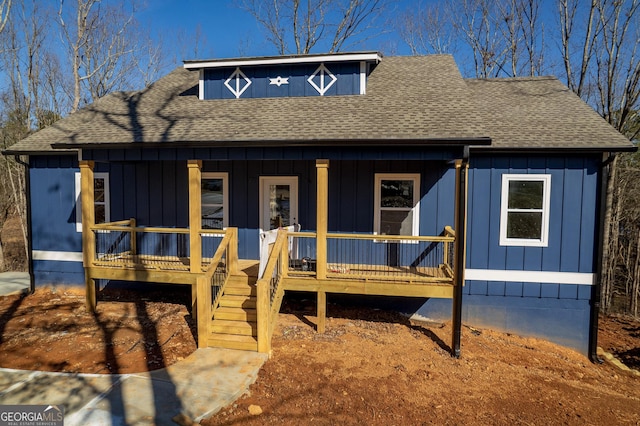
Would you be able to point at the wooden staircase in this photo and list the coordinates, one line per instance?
(234, 324)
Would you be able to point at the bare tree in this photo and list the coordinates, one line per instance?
(426, 29)
(602, 65)
(584, 45)
(100, 39)
(331, 24)
(504, 38)
(5, 9)
(23, 104)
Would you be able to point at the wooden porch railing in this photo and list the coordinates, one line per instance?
(419, 259)
(122, 244)
(210, 286)
(270, 291)
(449, 246)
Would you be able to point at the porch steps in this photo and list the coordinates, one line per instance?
(234, 324)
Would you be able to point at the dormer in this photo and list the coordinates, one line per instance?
(335, 74)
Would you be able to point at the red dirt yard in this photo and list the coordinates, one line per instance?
(370, 367)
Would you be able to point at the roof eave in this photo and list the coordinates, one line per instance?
(428, 142)
(64, 151)
(556, 150)
(283, 60)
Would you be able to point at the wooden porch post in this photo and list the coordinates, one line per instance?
(88, 237)
(195, 225)
(204, 310)
(322, 213)
(195, 215)
(459, 250)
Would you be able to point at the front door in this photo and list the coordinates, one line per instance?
(278, 202)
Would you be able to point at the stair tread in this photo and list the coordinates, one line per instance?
(234, 323)
(237, 297)
(233, 338)
(239, 291)
(234, 309)
(239, 283)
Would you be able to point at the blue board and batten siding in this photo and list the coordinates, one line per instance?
(558, 312)
(292, 81)
(152, 187)
(156, 194)
(53, 220)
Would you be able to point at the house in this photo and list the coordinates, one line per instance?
(474, 200)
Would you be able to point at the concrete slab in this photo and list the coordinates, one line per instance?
(196, 387)
(133, 401)
(212, 378)
(73, 391)
(14, 282)
(10, 378)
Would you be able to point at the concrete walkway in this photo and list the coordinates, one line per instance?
(14, 282)
(194, 388)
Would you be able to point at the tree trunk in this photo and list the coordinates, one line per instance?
(610, 237)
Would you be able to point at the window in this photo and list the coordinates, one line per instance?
(101, 199)
(397, 207)
(524, 213)
(215, 200)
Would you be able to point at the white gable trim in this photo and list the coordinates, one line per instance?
(355, 57)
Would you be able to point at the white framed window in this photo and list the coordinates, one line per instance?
(524, 210)
(101, 203)
(397, 204)
(215, 200)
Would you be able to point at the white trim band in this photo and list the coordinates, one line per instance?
(544, 277)
(284, 60)
(60, 256)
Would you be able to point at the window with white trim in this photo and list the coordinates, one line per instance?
(215, 200)
(524, 211)
(101, 202)
(397, 204)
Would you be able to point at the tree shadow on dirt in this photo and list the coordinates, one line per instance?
(9, 314)
(159, 390)
(630, 358)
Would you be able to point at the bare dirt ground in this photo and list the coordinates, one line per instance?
(13, 245)
(370, 367)
(51, 330)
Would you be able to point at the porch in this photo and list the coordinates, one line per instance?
(234, 306)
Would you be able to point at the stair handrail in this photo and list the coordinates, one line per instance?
(270, 291)
(227, 251)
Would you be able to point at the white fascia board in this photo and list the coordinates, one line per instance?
(543, 277)
(355, 57)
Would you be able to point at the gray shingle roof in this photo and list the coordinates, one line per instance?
(418, 99)
(540, 112)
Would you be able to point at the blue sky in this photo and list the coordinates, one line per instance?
(229, 31)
